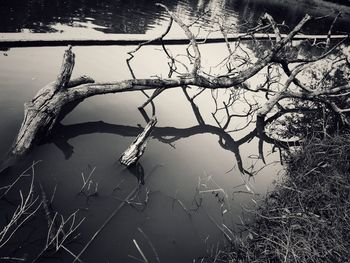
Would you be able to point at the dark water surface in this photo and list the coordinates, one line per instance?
(181, 158)
(141, 16)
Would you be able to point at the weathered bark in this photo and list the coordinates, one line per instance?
(40, 113)
(134, 152)
(43, 111)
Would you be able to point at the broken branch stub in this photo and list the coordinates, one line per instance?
(134, 152)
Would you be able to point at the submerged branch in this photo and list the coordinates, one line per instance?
(138, 146)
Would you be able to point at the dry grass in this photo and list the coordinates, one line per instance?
(60, 230)
(25, 210)
(307, 216)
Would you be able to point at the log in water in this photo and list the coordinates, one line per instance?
(8, 40)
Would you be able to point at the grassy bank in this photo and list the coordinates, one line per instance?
(307, 216)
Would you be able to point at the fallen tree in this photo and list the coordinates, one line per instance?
(43, 113)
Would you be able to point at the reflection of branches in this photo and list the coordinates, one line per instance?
(228, 106)
(192, 39)
(128, 60)
(157, 39)
(195, 108)
(164, 134)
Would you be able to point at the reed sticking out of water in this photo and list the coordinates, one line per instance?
(29, 205)
(60, 230)
(111, 216)
(149, 243)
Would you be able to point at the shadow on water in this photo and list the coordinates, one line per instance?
(168, 135)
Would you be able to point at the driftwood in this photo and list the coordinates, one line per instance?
(134, 152)
(9, 40)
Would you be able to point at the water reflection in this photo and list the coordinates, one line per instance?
(168, 135)
(138, 171)
(141, 16)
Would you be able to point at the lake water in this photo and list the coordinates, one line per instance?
(182, 157)
(144, 17)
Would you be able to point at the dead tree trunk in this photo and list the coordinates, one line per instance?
(41, 113)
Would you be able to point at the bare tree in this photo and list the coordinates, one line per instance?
(278, 60)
